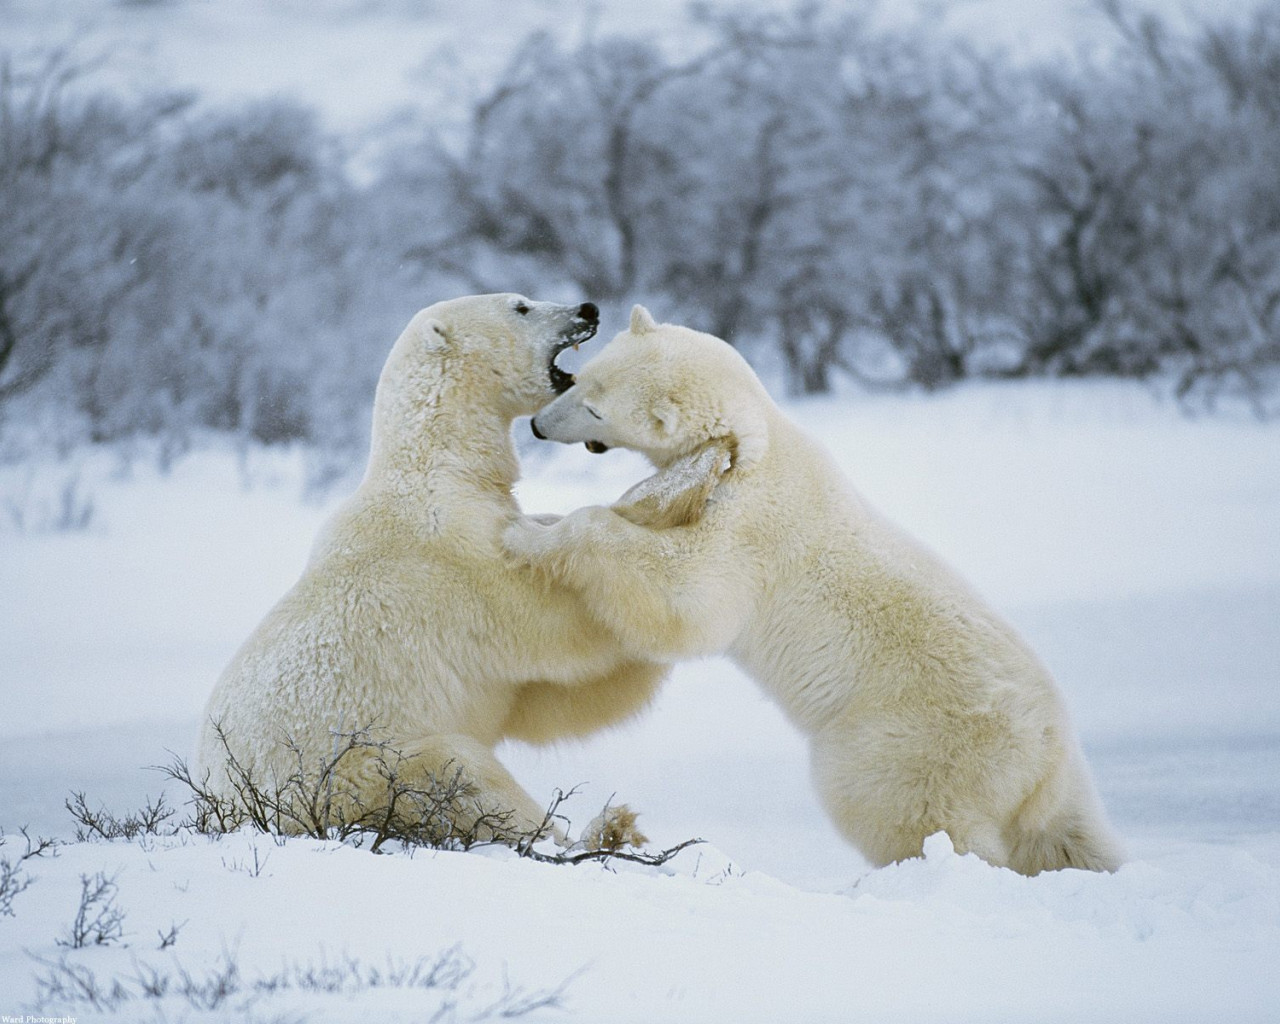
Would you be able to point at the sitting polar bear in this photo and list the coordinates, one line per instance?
(924, 710)
(407, 617)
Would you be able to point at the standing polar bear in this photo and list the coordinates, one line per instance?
(924, 710)
(407, 617)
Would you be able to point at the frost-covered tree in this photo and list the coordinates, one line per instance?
(1160, 212)
(836, 198)
(803, 182)
(166, 268)
(567, 156)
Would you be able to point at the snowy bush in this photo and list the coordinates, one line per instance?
(12, 882)
(99, 921)
(14, 878)
(1160, 222)
(835, 197)
(153, 819)
(226, 987)
(888, 194)
(167, 268)
(318, 800)
(48, 498)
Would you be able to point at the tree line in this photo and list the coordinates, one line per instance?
(839, 200)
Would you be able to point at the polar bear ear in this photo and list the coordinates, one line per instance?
(433, 335)
(665, 417)
(642, 321)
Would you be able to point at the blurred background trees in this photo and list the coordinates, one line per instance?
(843, 202)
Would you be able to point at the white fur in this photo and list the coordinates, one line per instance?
(407, 619)
(925, 711)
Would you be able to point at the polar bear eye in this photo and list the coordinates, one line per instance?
(592, 411)
(522, 308)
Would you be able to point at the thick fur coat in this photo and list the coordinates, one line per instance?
(925, 711)
(407, 619)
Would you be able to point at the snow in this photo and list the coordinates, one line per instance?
(1133, 545)
(942, 938)
(1137, 548)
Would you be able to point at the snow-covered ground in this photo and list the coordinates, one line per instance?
(1138, 549)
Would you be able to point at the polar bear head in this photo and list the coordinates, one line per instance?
(495, 352)
(663, 391)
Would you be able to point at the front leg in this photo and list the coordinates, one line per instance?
(678, 495)
(666, 594)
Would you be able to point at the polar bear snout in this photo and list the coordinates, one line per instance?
(595, 447)
(583, 325)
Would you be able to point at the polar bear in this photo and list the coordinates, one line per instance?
(924, 710)
(407, 618)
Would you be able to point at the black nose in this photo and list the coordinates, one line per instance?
(589, 311)
(533, 425)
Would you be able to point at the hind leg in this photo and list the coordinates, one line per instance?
(865, 800)
(887, 795)
(1061, 824)
(486, 801)
(545, 712)
(439, 786)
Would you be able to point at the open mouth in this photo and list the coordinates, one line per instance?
(582, 328)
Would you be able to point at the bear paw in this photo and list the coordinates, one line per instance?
(528, 539)
(613, 829)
